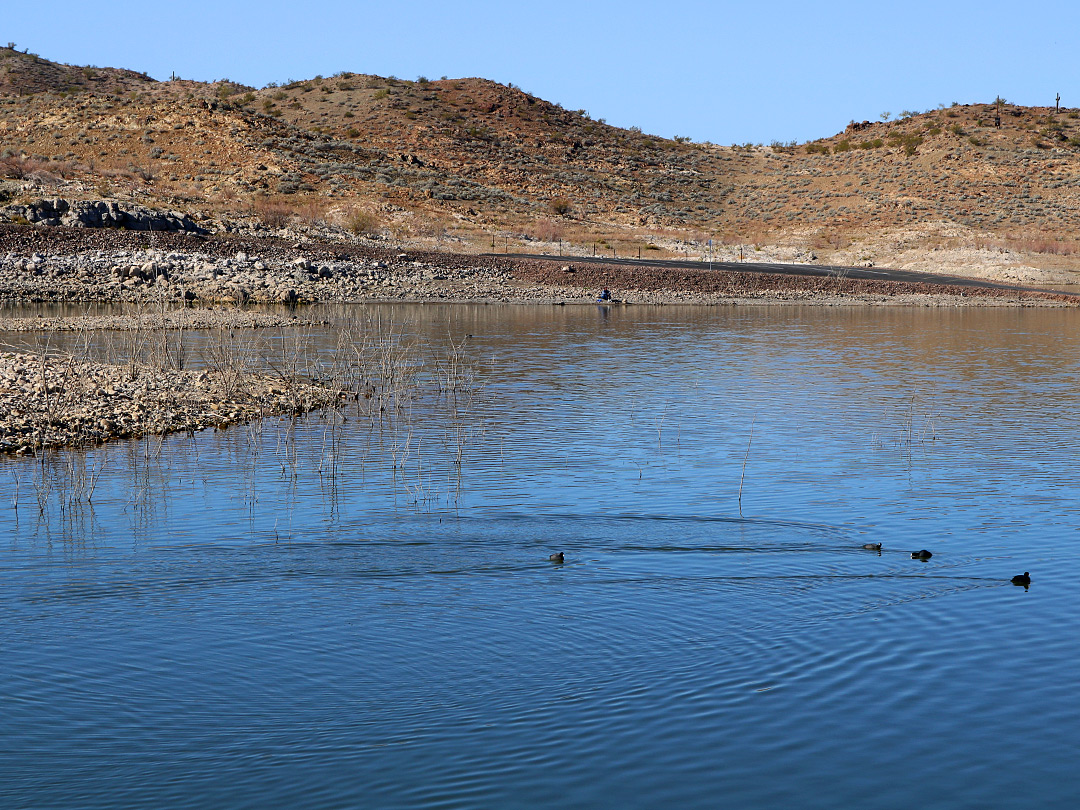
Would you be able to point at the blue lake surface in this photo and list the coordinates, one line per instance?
(325, 614)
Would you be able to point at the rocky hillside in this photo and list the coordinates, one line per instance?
(469, 157)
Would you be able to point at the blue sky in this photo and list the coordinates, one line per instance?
(721, 72)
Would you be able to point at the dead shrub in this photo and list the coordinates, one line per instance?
(19, 167)
(272, 213)
(312, 212)
(560, 206)
(825, 239)
(432, 228)
(547, 230)
(1042, 244)
(361, 222)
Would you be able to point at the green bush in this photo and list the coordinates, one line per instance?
(843, 146)
(908, 140)
(817, 149)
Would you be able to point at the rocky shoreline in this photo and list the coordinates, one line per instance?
(169, 319)
(50, 402)
(180, 280)
(56, 264)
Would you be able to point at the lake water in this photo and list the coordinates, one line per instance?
(327, 614)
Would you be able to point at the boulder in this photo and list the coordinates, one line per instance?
(100, 214)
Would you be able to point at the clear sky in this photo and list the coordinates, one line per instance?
(721, 71)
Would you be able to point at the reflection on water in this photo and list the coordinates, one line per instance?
(358, 609)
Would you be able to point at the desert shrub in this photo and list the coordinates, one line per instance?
(817, 149)
(273, 213)
(1043, 244)
(934, 131)
(546, 230)
(560, 206)
(18, 167)
(381, 94)
(908, 140)
(312, 212)
(830, 239)
(361, 222)
(843, 146)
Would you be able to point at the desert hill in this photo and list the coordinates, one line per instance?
(472, 158)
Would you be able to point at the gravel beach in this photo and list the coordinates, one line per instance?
(57, 401)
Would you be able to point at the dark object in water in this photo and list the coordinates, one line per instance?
(921, 555)
(872, 546)
(557, 557)
(1022, 579)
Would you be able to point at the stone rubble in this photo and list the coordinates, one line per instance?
(149, 275)
(52, 402)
